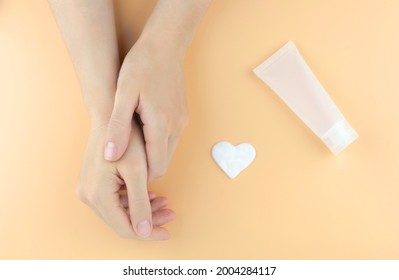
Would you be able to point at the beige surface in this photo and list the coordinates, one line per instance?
(295, 201)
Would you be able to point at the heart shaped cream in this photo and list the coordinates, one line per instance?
(233, 159)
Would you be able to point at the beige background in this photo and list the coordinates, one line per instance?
(295, 201)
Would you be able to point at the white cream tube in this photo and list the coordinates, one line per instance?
(288, 75)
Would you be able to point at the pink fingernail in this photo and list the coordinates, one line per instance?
(110, 151)
(144, 228)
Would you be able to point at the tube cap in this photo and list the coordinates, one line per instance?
(339, 136)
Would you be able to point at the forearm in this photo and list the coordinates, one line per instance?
(173, 23)
(88, 30)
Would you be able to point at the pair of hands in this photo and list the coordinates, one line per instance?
(122, 157)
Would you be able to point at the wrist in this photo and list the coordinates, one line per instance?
(166, 32)
(172, 46)
(99, 119)
(99, 111)
(173, 24)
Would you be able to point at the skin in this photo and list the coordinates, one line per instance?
(151, 83)
(122, 157)
(117, 192)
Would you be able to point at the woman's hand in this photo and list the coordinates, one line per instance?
(151, 83)
(117, 191)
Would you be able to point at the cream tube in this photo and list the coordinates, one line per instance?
(288, 75)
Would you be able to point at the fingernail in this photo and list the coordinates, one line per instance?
(144, 228)
(110, 151)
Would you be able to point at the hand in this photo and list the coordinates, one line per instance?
(103, 186)
(151, 83)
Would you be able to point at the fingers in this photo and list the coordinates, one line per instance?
(119, 126)
(157, 203)
(161, 138)
(119, 219)
(123, 193)
(152, 195)
(105, 206)
(157, 150)
(163, 216)
(160, 217)
(139, 202)
(116, 218)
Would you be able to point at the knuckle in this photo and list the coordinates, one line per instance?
(117, 124)
(164, 121)
(175, 122)
(85, 196)
(92, 199)
(81, 194)
(140, 204)
(181, 121)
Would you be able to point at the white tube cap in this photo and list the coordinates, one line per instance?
(339, 136)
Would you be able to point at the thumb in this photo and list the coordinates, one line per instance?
(119, 126)
(139, 203)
